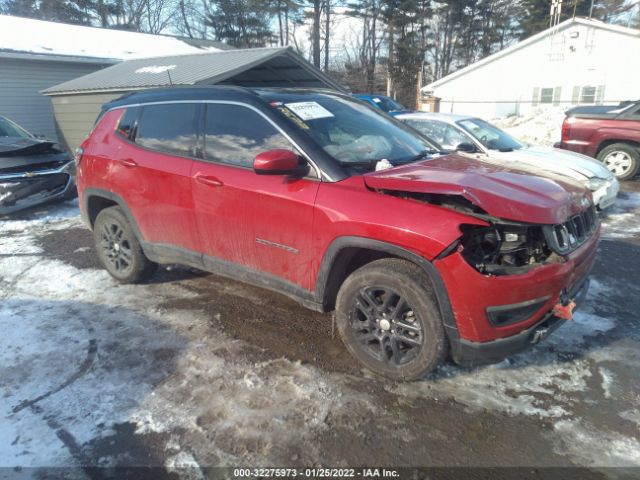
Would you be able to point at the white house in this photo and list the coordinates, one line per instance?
(35, 55)
(579, 61)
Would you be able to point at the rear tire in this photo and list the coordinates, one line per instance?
(388, 319)
(621, 159)
(118, 248)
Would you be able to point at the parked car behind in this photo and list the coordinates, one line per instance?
(278, 188)
(474, 135)
(383, 102)
(32, 171)
(610, 134)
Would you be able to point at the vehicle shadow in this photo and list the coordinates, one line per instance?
(78, 377)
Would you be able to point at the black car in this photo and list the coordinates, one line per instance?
(32, 170)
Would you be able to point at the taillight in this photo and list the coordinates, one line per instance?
(78, 155)
(566, 129)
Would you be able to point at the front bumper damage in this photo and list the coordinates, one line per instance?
(20, 190)
(469, 353)
(497, 316)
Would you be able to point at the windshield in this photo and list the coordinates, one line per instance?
(10, 129)
(446, 135)
(491, 137)
(352, 133)
(387, 104)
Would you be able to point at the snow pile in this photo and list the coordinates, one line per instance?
(621, 220)
(37, 36)
(540, 127)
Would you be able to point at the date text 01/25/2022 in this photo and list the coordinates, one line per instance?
(315, 472)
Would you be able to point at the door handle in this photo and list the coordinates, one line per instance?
(127, 162)
(208, 180)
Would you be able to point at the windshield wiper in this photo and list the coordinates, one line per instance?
(424, 153)
(360, 164)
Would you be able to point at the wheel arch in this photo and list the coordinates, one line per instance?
(96, 200)
(341, 258)
(611, 141)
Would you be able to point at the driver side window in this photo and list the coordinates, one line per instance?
(235, 135)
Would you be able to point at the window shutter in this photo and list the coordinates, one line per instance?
(575, 96)
(536, 96)
(557, 92)
(599, 94)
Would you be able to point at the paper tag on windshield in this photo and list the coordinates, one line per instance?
(309, 110)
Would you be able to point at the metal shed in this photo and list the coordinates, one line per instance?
(76, 103)
(36, 54)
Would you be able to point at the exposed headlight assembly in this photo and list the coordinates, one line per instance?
(503, 249)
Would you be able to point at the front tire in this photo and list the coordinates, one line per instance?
(388, 319)
(119, 249)
(621, 159)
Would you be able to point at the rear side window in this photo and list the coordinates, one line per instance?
(127, 121)
(170, 128)
(236, 134)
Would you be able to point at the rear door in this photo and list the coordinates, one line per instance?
(152, 170)
(263, 222)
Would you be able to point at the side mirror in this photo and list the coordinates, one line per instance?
(279, 162)
(466, 147)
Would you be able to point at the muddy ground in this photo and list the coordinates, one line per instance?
(192, 371)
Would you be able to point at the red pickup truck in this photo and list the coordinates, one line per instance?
(609, 133)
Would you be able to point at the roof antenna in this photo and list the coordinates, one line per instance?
(169, 75)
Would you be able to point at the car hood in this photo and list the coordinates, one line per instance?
(10, 146)
(567, 163)
(500, 190)
(23, 154)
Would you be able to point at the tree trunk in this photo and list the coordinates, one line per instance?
(184, 19)
(390, 59)
(286, 25)
(315, 34)
(327, 27)
(280, 23)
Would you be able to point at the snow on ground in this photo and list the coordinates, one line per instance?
(621, 220)
(553, 381)
(541, 127)
(81, 350)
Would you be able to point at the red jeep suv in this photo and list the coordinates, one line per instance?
(318, 196)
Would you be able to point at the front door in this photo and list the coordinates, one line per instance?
(263, 222)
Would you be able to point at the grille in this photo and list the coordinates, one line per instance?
(565, 237)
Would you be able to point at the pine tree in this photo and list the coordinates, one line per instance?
(241, 23)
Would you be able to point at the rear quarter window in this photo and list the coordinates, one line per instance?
(127, 122)
(170, 128)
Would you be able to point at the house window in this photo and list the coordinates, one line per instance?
(588, 95)
(546, 95)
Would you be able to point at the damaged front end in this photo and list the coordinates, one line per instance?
(504, 248)
(510, 248)
(34, 173)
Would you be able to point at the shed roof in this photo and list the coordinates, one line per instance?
(38, 39)
(254, 67)
(628, 32)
